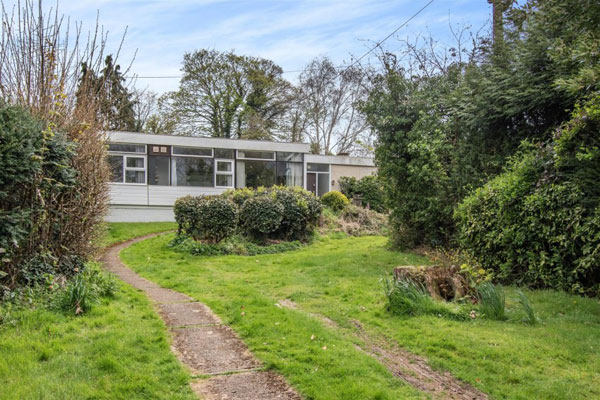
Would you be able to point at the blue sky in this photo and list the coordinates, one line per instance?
(289, 32)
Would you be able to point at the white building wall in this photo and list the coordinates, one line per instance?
(123, 213)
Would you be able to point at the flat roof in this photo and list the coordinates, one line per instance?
(201, 141)
(340, 160)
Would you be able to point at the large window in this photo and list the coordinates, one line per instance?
(192, 171)
(158, 170)
(289, 173)
(254, 173)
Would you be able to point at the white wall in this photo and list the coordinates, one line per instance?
(153, 195)
(139, 214)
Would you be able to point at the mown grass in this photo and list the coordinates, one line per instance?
(118, 232)
(118, 350)
(559, 358)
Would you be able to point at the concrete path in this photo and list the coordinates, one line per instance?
(223, 365)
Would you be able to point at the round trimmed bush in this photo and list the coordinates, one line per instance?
(302, 210)
(261, 215)
(208, 218)
(335, 200)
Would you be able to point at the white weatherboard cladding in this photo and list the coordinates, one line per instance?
(140, 214)
(142, 195)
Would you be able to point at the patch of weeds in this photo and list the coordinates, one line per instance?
(82, 292)
(530, 317)
(408, 297)
(492, 301)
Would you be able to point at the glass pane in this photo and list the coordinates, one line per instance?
(225, 180)
(266, 155)
(224, 166)
(135, 176)
(255, 173)
(322, 184)
(190, 171)
(192, 151)
(224, 153)
(158, 170)
(289, 173)
(317, 167)
(135, 162)
(116, 166)
(127, 148)
(289, 157)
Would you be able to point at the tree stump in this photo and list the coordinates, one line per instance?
(442, 283)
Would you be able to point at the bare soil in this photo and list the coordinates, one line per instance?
(416, 371)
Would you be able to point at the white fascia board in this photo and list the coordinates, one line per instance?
(340, 160)
(197, 141)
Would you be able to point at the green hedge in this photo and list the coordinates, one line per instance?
(208, 218)
(260, 216)
(538, 223)
(280, 213)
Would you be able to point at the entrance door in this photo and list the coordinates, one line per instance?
(311, 182)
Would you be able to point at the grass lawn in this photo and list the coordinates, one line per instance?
(119, 232)
(338, 278)
(120, 350)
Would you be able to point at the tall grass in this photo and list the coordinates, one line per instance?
(492, 301)
(410, 298)
(530, 317)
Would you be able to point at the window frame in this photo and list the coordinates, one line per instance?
(226, 173)
(124, 156)
(237, 155)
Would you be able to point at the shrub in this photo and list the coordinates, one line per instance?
(491, 300)
(235, 245)
(538, 223)
(302, 210)
(38, 186)
(208, 218)
(216, 219)
(335, 200)
(538, 234)
(261, 215)
(371, 193)
(348, 186)
(368, 189)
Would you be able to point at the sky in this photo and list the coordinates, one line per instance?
(289, 32)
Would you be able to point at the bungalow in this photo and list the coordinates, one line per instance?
(149, 172)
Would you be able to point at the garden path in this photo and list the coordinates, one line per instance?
(221, 364)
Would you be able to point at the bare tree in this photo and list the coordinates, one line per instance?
(330, 99)
(40, 59)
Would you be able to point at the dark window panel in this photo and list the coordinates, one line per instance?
(317, 167)
(127, 148)
(255, 173)
(296, 157)
(225, 153)
(116, 166)
(263, 155)
(193, 151)
(192, 171)
(158, 170)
